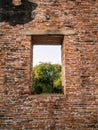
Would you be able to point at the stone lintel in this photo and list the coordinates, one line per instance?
(48, 32)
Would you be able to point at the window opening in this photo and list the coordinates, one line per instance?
(46, 66)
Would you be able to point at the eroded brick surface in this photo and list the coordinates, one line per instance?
(79, 108)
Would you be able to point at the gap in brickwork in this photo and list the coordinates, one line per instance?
(47, 69)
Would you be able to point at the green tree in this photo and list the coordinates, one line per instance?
(47, 78)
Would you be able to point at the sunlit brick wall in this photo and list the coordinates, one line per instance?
(78, 108)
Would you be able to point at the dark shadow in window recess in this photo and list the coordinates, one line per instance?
(17, 14)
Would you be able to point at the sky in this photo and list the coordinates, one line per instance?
(46, 53)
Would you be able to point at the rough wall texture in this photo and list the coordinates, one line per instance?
(78, 108)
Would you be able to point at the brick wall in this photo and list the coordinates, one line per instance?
(78, 108)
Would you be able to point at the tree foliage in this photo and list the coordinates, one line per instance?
(47, 78)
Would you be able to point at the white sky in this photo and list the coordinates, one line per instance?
(48, 53)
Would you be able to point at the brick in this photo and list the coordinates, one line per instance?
(76, 21)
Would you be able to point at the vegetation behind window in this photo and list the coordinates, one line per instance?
(47, 78)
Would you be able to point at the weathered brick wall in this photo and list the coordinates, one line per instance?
(78, 109)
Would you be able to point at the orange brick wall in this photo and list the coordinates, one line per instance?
(78, 108)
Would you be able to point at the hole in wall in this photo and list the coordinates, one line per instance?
(47, 68)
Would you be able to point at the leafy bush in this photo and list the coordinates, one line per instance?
(47, 78)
